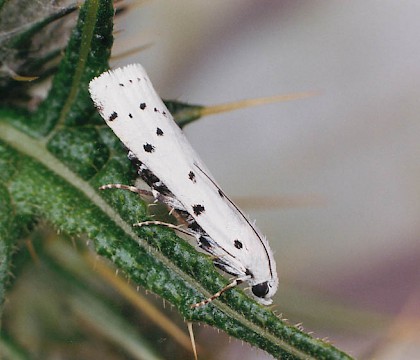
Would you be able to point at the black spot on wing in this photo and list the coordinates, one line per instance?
(204, 243)
(131, 81)
(147, 175)
(159, 132)
(198, 209)
(121, 84)
(156, 110)
(113, 116)
(191, 176)
(221, 193)
(143, 106)
(238, 244)
(148, 148)
(149, 178)
(136, 162)
(130, 115)
(161, 188)
(195, 227)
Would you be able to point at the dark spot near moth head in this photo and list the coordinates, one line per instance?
(130, 115)
(159, 132)
(143, 106)
(121, 84)
(260, 290)
(156, 110)
(191, 176)
(238, 244)
(198, 209)
(249, 273)
(221, 193)
(113, 116)
(148, 148)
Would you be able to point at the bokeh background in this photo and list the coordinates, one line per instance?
(342, 167)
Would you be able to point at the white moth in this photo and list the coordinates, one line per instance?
(166, 161)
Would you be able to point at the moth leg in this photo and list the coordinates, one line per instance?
(127, 187)
(168, 225)
(180, 219)
(173, 204)
(234, 283)
(168, 200)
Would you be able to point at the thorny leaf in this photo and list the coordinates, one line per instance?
(52, 162)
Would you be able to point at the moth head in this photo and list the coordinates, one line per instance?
(264, 291)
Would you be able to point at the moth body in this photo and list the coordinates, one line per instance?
(165, 160)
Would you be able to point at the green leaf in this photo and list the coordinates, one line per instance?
(52, 162)
(184, 113)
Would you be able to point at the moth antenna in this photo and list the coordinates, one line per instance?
(127, 187)
(168, 225)
(191, 332)
(234, 283)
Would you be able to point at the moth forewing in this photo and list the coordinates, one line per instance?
(131, 107)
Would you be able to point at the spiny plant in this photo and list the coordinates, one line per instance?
(55, 154)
